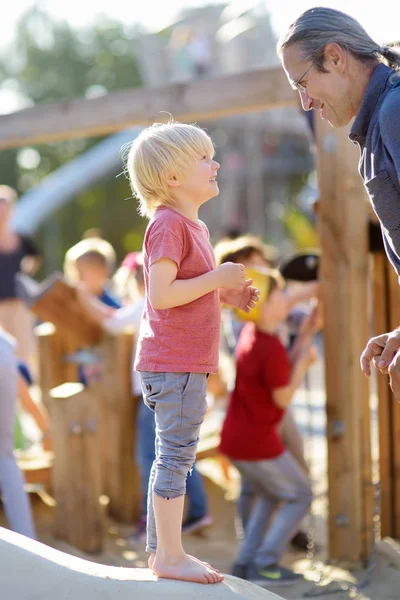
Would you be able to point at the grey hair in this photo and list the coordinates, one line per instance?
(318, 27)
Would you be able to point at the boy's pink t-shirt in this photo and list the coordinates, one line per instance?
(183, 339)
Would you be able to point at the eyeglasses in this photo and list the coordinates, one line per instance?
(296, 85)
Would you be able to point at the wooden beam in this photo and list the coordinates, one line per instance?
(344, 277)
(198, 100)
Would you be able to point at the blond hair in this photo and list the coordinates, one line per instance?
(163, 151)
(95, 249)
(242, 248)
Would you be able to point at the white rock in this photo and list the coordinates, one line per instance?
(30, 570)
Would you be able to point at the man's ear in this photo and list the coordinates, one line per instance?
(335, 56)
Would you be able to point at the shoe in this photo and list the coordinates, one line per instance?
(300, 541)
(272, 575)
(239, 571)
(139, 537)
(191, 525)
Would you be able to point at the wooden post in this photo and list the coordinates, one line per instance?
(344, 275)
(76, 470)
(53, 347)
(120, 476)
(381, 308)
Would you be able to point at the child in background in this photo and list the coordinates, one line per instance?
(15, 499)
(266, 379)
(251, 252)
(91, 262)
(172, 171)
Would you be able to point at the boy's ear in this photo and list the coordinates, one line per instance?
(173, 181)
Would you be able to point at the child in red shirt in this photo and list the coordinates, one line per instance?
(173, 172)
(266, 380)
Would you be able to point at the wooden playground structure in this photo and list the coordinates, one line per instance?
(360, 295)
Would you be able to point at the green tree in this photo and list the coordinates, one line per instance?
(50, 61)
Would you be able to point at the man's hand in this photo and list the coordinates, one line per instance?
(394, 374)
(245, 299)
(382, 350)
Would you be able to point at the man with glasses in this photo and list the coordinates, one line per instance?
(342, 73)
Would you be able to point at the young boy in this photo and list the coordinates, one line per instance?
(250, 438)
(91, 262)
(172, 171)
(251, 252)
(131, 315)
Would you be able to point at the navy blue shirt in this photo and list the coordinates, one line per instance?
(376, 130)
(10, 263)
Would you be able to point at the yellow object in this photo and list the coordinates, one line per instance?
(261, 280)
(301, 229)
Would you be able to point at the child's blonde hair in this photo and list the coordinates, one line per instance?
(242, 248)
(162, 152)
(92, 248)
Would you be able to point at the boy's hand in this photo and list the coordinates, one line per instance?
(245, 298)
(47, 442)
(231, 276)
(313, 322)
(308, 356)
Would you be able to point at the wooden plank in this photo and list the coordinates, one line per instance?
(51, 371)
(202, 99)
(76, 471)
(118, 415)
(61, 305)
(36, 470)
(344, 276)
(53, 347)
(385, 400)
(394, 295)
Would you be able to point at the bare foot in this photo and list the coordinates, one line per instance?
(187, 568)
(152, 557)
(204, 563)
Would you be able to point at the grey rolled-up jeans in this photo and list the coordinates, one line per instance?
(179, 401)
(15, 499)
